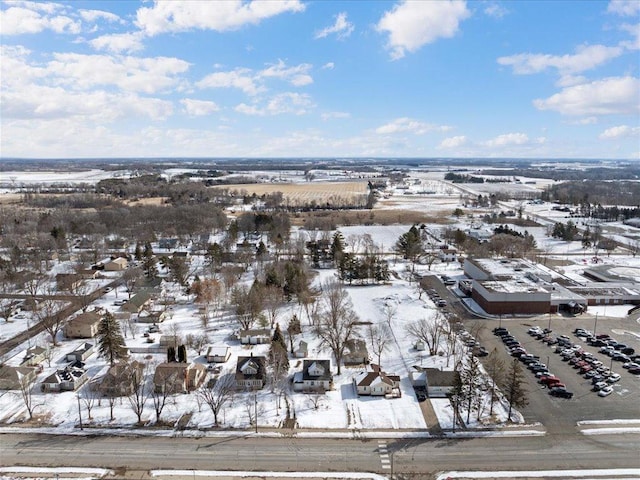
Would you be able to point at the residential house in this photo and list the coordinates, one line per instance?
(174, 377)
(302, 350)
(81, 353)
(376, 383)
(85, 325)
(116, 265)
(14, 378)
(137, 303)
(355, 353)
(167, 243)
(121, 378)
(439, 383)
(218, 353)
(69, 281)
(67, 379)
(34, 356)
(448, 255)
(152, 317)
(170, 341)
(251, 373)
(314, 377)
(255, 336)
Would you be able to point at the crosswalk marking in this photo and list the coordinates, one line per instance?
(384, 455)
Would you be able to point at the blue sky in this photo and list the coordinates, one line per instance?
(531, 79)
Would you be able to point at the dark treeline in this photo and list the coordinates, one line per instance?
(594, 173)
(592, 194)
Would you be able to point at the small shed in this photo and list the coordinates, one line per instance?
(218, 353)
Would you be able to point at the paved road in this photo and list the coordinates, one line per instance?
(422, 458)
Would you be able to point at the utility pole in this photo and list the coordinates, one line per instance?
(79, 411)
(255, 404)
(595, 325)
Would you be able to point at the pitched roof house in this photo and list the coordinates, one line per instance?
(177, 377)
(356, 353)
(85, 325)
(314, 377)
(255, 336)
(116, 265)
(13, 378)
(34, 356)
(376, 382)
(302, 350)
(251, 372)
(439, 382)
(120, 379)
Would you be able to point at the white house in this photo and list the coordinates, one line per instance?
(314, 377)
(218, 353)
(376, 383)
(255, 336)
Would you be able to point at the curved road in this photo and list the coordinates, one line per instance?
(417, 458)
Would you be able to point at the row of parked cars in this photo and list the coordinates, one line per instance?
(533, 363)
(435, 298)
(617, 351)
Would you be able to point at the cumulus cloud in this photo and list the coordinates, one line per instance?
(198, 108)
(621, 131)
(298, 75)
(31, 17)
(610, 96)
(328, 66)
(253, 83)
(453, 142)
(626, 8)
(413, 24)
(408, 125)
(118, 42)
(92, 16)
(341, 27)
(288, 102)
(507, 139)
(585, 58)
(187, 15)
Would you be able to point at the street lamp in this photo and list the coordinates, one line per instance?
(595, 325)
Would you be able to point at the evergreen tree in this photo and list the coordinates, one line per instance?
(182, 354)
(409, 245)
(149, 261)
(110, 340)
(171, 354)
(278, 351)
(138, 252)
(337, 247)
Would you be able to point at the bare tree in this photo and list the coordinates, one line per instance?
(316, 399)
(219, 395)
(337, 322)
(514, 387)
(50, 317)
(139, 391)
(495, 368)
(389, 311)
(130, 278)
(163, 389)
(26, 394)
(379, 339)
(197, 342)
(430, 331)
(273, 299)
(89, 396)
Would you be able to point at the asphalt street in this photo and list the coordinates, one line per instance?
(422, 458)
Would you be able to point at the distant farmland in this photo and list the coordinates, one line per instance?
(312, 193)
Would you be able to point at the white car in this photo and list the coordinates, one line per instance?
(613, 378)
(606, 391)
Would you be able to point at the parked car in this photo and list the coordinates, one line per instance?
(560, 392)
(634, 371)
(620, 357)
(606, 391)
(441, 303)
(629, 365)
(628, 351)
(598, 386)
(613, 378)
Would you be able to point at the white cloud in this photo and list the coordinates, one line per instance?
(240, 78)
(495, 10)
(184, 15)
(148, 75)
(453, 142)
(585, 58)
(118, 42)
(329, 115)
(610, 96)
(34, 18)
(634, 30)
(288, 102)
(621, 131)
(197, 108)
(404, 124)
(341, 27)
(92, 16)
(328, 66)
(507, 139)
(586, 121)
(298, 76)
(412, 24)
(625, 8)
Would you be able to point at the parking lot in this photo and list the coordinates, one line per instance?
(560, 413)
